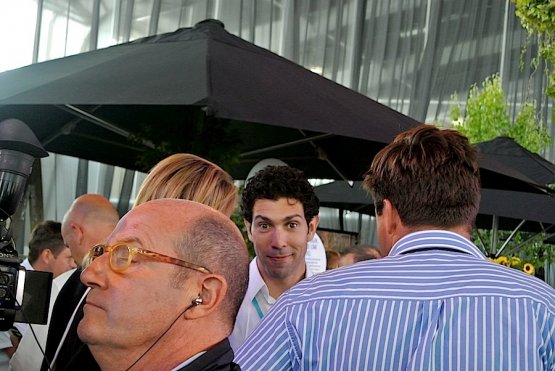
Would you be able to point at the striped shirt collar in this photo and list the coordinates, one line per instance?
(420, 240)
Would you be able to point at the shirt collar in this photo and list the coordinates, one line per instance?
(435, 238)
(256, 282)
(189, 361)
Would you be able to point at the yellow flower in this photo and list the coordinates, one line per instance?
(503, 260)
(515, 261)
(529, 269)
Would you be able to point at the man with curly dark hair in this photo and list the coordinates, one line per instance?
(280, 210)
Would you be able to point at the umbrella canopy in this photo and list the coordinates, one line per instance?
(201, 85)
(538, 210)
(506, 151)
(206, 91)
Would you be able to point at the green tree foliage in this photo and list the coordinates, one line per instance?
(528, 131)
(538, 18)
(487, 117)
(237, 218)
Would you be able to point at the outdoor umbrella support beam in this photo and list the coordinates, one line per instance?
(482, 246)
(324, 156)
(510, 238)
(99, 122)
(531, 238)
(284, 145)
(494, 229)
(321, 153)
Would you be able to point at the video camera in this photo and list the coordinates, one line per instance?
(24, 295)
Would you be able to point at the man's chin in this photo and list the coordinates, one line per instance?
(86, 332)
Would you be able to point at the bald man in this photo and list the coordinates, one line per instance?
(89, 220)
(165, 289)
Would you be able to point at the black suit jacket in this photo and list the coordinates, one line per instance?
(65, 304)
(75, 355)
(217, 358)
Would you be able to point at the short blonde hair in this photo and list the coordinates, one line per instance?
(189, 177)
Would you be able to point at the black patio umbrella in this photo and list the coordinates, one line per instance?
(532, 212)
(528, 210)
(207, 90)
(506, 151)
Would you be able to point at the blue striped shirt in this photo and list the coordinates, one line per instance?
(446, 308)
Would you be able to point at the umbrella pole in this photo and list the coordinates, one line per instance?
(482, 246)
(510, 238)
(494, 230)
(532, 238)
(100, 122)
(284, 145)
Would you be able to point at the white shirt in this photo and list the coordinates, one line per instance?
(5, 342)
(21, 326)
(28, 355)
(315, 255)
(27, 264)
(255, 305)
(190, 360)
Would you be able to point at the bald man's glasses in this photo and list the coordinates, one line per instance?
(121, 256)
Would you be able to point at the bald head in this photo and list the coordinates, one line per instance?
(198, 234)
(90, 220)
(194, 309)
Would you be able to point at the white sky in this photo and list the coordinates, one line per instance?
(17, 32)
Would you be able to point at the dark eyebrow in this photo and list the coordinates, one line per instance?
(289, 217)
(286, 219)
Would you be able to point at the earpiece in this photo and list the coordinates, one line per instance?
(197, 301)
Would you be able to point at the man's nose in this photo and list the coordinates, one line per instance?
(94, 271)
(279, 238)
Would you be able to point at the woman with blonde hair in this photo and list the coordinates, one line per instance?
(190, 177)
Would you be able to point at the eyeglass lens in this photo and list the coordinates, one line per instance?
(119, 257)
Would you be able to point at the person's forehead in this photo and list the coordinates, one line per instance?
(152, 228)
(284, 204)
(140, 228)
(66, 254)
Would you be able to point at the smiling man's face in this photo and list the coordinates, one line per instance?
(280, 235)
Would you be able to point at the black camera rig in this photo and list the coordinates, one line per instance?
(24, 295)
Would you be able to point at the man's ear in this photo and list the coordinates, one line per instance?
(388, 217)
(77, 233)
(248, 226)
(312, 226)
(46, 256)
(212, 292)
(393, 225)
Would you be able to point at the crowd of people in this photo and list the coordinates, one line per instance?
(170, 285)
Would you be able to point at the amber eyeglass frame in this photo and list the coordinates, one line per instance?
(99, 250)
